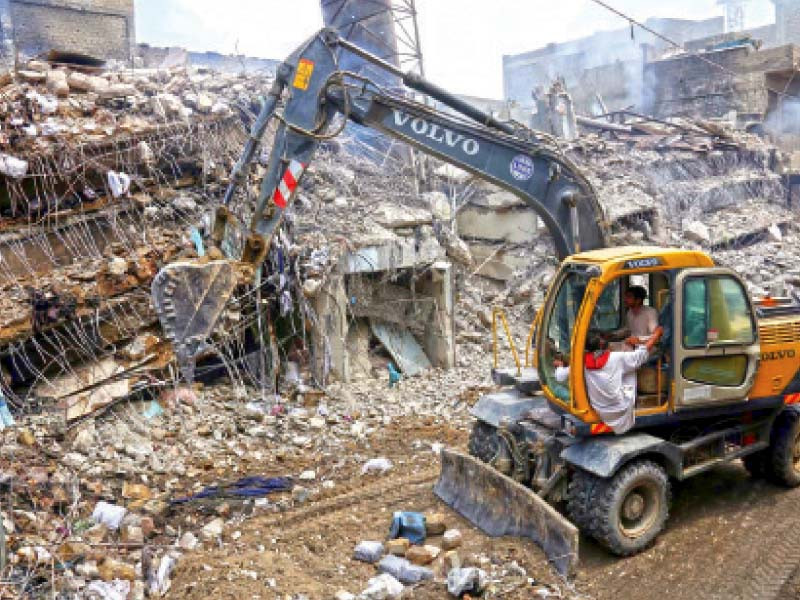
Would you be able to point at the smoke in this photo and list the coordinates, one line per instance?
(785, 120)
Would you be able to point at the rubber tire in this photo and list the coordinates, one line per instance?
(757, 464)
(483, 441)
(580, 498)
(784, 436)
(606, 500)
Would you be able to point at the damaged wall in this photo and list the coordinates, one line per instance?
(690, 85)
(101, 28)
(575, 60)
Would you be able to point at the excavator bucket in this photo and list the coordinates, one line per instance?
(189, 298)
(500, 506)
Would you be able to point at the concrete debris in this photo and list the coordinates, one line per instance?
(697, 232)
(383, 587)
(470, 581)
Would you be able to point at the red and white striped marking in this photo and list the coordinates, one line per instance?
(792, 399)
(288, 185)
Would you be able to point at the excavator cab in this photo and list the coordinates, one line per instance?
(710, 351)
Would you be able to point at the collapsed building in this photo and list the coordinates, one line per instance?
(106, 176)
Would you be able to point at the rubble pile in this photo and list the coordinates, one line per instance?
(729, 200)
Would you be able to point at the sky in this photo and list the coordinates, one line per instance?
(463, 41)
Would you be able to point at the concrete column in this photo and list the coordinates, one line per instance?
(439, 342)
(328, 337)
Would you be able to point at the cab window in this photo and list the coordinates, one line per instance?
(715, 309)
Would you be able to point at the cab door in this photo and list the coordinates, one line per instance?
(715, 347)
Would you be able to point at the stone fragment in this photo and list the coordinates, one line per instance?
(32, 76)
(344, 595)
(11, 166)
(213, 529)
(470, 581)
(57, 83)
(111, 569)
(86, 83)
(300, 494)
(774, 233)
(451, 539)
(136, 491)
(72, 549)
(369, 552)
(697, 232)
(451, 560)
(25, 437)
(309, 475)
(204, 104)
(96, 534)
(132, 535)
(188, 541)
(383, 587)
(117, 90)
(435, 524)
(398, 546)
(422, 555)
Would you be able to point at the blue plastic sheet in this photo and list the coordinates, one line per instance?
(248, 487)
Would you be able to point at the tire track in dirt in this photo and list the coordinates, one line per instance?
(387, 489)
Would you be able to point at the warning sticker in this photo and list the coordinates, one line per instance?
(303, 76)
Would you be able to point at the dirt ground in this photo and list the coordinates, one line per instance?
(728, 536)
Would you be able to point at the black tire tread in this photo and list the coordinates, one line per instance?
(580, 498)
(600, 524)
(781, 463)
(757, 464)
(483, 441)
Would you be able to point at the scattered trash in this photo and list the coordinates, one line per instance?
(248, 487)
(394, 375)
(370, 552)
(11, 166)
(6, 420)
(376, 465)
(109, 515)
(409, 525)
(118, 183)
(108, 590)
(154, 409)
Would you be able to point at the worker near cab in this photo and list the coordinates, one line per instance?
(642, 320)
(611, 378)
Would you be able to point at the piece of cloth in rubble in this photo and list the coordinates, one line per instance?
(247, 487)
(612, 389)
(642, 323)
(410, 525)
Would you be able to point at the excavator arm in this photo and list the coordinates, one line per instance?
(521, 161)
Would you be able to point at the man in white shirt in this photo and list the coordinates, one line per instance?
(642, 320)
(611, 378)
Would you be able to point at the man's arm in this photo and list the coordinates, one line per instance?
(634, 360)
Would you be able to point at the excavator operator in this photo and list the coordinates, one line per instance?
(611, 378)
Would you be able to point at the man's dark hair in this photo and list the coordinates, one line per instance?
(595, 341)
(638, 292)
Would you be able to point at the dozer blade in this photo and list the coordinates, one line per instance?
(189, 298)
(500, 506)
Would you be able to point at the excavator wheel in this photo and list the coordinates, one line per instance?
(580, 498)
(784, 450)
(757, 464)
(626, 512)
(483, 441)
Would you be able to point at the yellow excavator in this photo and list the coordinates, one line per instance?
(724, 383)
